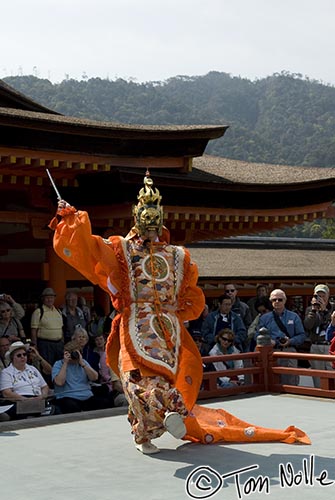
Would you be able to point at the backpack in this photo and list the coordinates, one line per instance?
(42, 311)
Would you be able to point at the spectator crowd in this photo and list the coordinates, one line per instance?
(54, 360)
(57, 362)
(234, 325)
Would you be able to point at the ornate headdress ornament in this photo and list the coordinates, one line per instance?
(148, 212)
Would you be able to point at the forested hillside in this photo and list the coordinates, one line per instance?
(280, 119)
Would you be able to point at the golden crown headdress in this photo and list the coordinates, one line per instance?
(148, 212)
(148, 195)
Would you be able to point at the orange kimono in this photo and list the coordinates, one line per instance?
(154, 289)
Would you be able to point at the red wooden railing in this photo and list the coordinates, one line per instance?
(262, 374)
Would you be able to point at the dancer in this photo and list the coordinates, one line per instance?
(153, 285)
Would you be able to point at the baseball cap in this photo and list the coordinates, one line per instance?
(321, 288)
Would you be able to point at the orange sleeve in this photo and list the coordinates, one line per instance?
(91, 255)
(191, 301)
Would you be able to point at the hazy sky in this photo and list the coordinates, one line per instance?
(156, 39)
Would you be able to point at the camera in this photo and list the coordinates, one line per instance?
(282, 340)
(74, 355)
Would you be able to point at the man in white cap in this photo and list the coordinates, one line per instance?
(317, 319)
(47, 328)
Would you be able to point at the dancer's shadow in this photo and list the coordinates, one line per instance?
(219, 464)
(8, 434)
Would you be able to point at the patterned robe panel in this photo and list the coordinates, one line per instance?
(155, 281)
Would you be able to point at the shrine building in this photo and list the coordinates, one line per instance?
(99, 167)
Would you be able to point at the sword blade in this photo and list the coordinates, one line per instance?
(53, 185)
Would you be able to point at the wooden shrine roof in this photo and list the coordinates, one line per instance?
(27, 124)
(293, 264)
(264, 264)
(196, 206)
(50, 121)
(58, 133)
(241, 172)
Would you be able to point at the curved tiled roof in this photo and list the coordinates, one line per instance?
(47, 121)
(247, 263)
(242, 172)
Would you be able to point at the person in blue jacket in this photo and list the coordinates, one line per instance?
(286, 331)
(222, 318)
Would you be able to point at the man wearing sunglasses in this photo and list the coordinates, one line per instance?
(286, 331)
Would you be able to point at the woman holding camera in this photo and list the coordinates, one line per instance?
(80, 336)
(72, 376)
